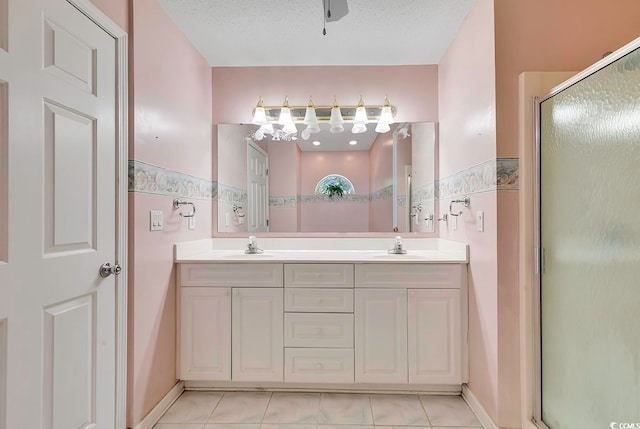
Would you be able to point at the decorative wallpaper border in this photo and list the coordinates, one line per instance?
(346, 198)
(423, 193)
(232, 195)
(151, 179)
(283, 202)
(382, 194)
(499, 174)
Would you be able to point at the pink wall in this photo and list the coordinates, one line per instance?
(354, 165)
(467, 136)
(538, 36)
(381, 176)
(171, 101)
(342, 215)
(412, 89)
(283, 181)
(117, 10)
(549, 35)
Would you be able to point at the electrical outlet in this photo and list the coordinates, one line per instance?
(156, 222)
(191, 222)
(480, 221)
(454, 222)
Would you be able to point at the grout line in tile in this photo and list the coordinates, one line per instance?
(373, 417)
(318, 409)
(425, 410)
(266, 409)
(214, 409)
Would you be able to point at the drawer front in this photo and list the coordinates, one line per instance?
(231, 275)
(410, 276)
(318, 330)
(318, 275)
(318, 300)
(318, 365)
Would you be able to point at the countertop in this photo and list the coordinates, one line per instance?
(326, 256)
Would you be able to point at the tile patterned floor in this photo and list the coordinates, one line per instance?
(265, 410)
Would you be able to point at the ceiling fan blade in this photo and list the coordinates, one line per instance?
(335, 9)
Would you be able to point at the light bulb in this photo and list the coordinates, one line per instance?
(361, 116)
(382, 127)
(358, 128)
(290, 128)
(386, 116)
(259, 116)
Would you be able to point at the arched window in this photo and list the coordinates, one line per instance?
(334, 180)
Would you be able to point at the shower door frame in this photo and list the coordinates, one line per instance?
(537, 250)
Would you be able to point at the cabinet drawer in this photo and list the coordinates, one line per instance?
(231, 275)
(318, 365)
(318, 275)
(318, 330)
(410, 276)
(318, 300)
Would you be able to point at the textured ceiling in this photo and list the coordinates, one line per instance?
(289, 32)
(337, 142)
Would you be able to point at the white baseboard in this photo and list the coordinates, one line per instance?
(477, 408)
(154, 415)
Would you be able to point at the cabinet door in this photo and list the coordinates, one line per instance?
(435, 355)
(257, 329)
(205, 334)
(381, 336)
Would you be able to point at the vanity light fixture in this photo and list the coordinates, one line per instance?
(310, 120)
(310, 115)
(259, 116)
(336, 118)
(386, 117)
(360, 121)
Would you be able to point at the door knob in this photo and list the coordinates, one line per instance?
(107, 269)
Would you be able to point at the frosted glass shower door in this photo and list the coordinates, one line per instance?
(590, 233)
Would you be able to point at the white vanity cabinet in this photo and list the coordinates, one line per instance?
(381, 336)
(205, 333)
(435, 324)
(409, 323)
(256, 331)
(318, 323)
(230, 322)
(300, 323)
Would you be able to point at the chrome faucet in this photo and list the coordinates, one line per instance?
(252, 246)
(397, 247)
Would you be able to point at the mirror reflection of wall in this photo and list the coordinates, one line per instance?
(299, 199)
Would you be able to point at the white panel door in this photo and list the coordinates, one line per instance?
(381, 336)
(435, 348)
(257, 320)
(257, 188)
(205, 333)
(58, 223)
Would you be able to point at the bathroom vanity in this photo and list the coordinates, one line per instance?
(345, 319)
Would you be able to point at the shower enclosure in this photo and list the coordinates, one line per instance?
(588, 236)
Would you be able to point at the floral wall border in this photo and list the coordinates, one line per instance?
(148, 178)
(232, 195)
(498, 174)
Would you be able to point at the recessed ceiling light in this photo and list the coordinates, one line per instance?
(316, 143)
(353, 142)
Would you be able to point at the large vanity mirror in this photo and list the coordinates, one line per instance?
(332, 182)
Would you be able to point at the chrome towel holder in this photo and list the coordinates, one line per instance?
(464, 201)
(177, 203)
